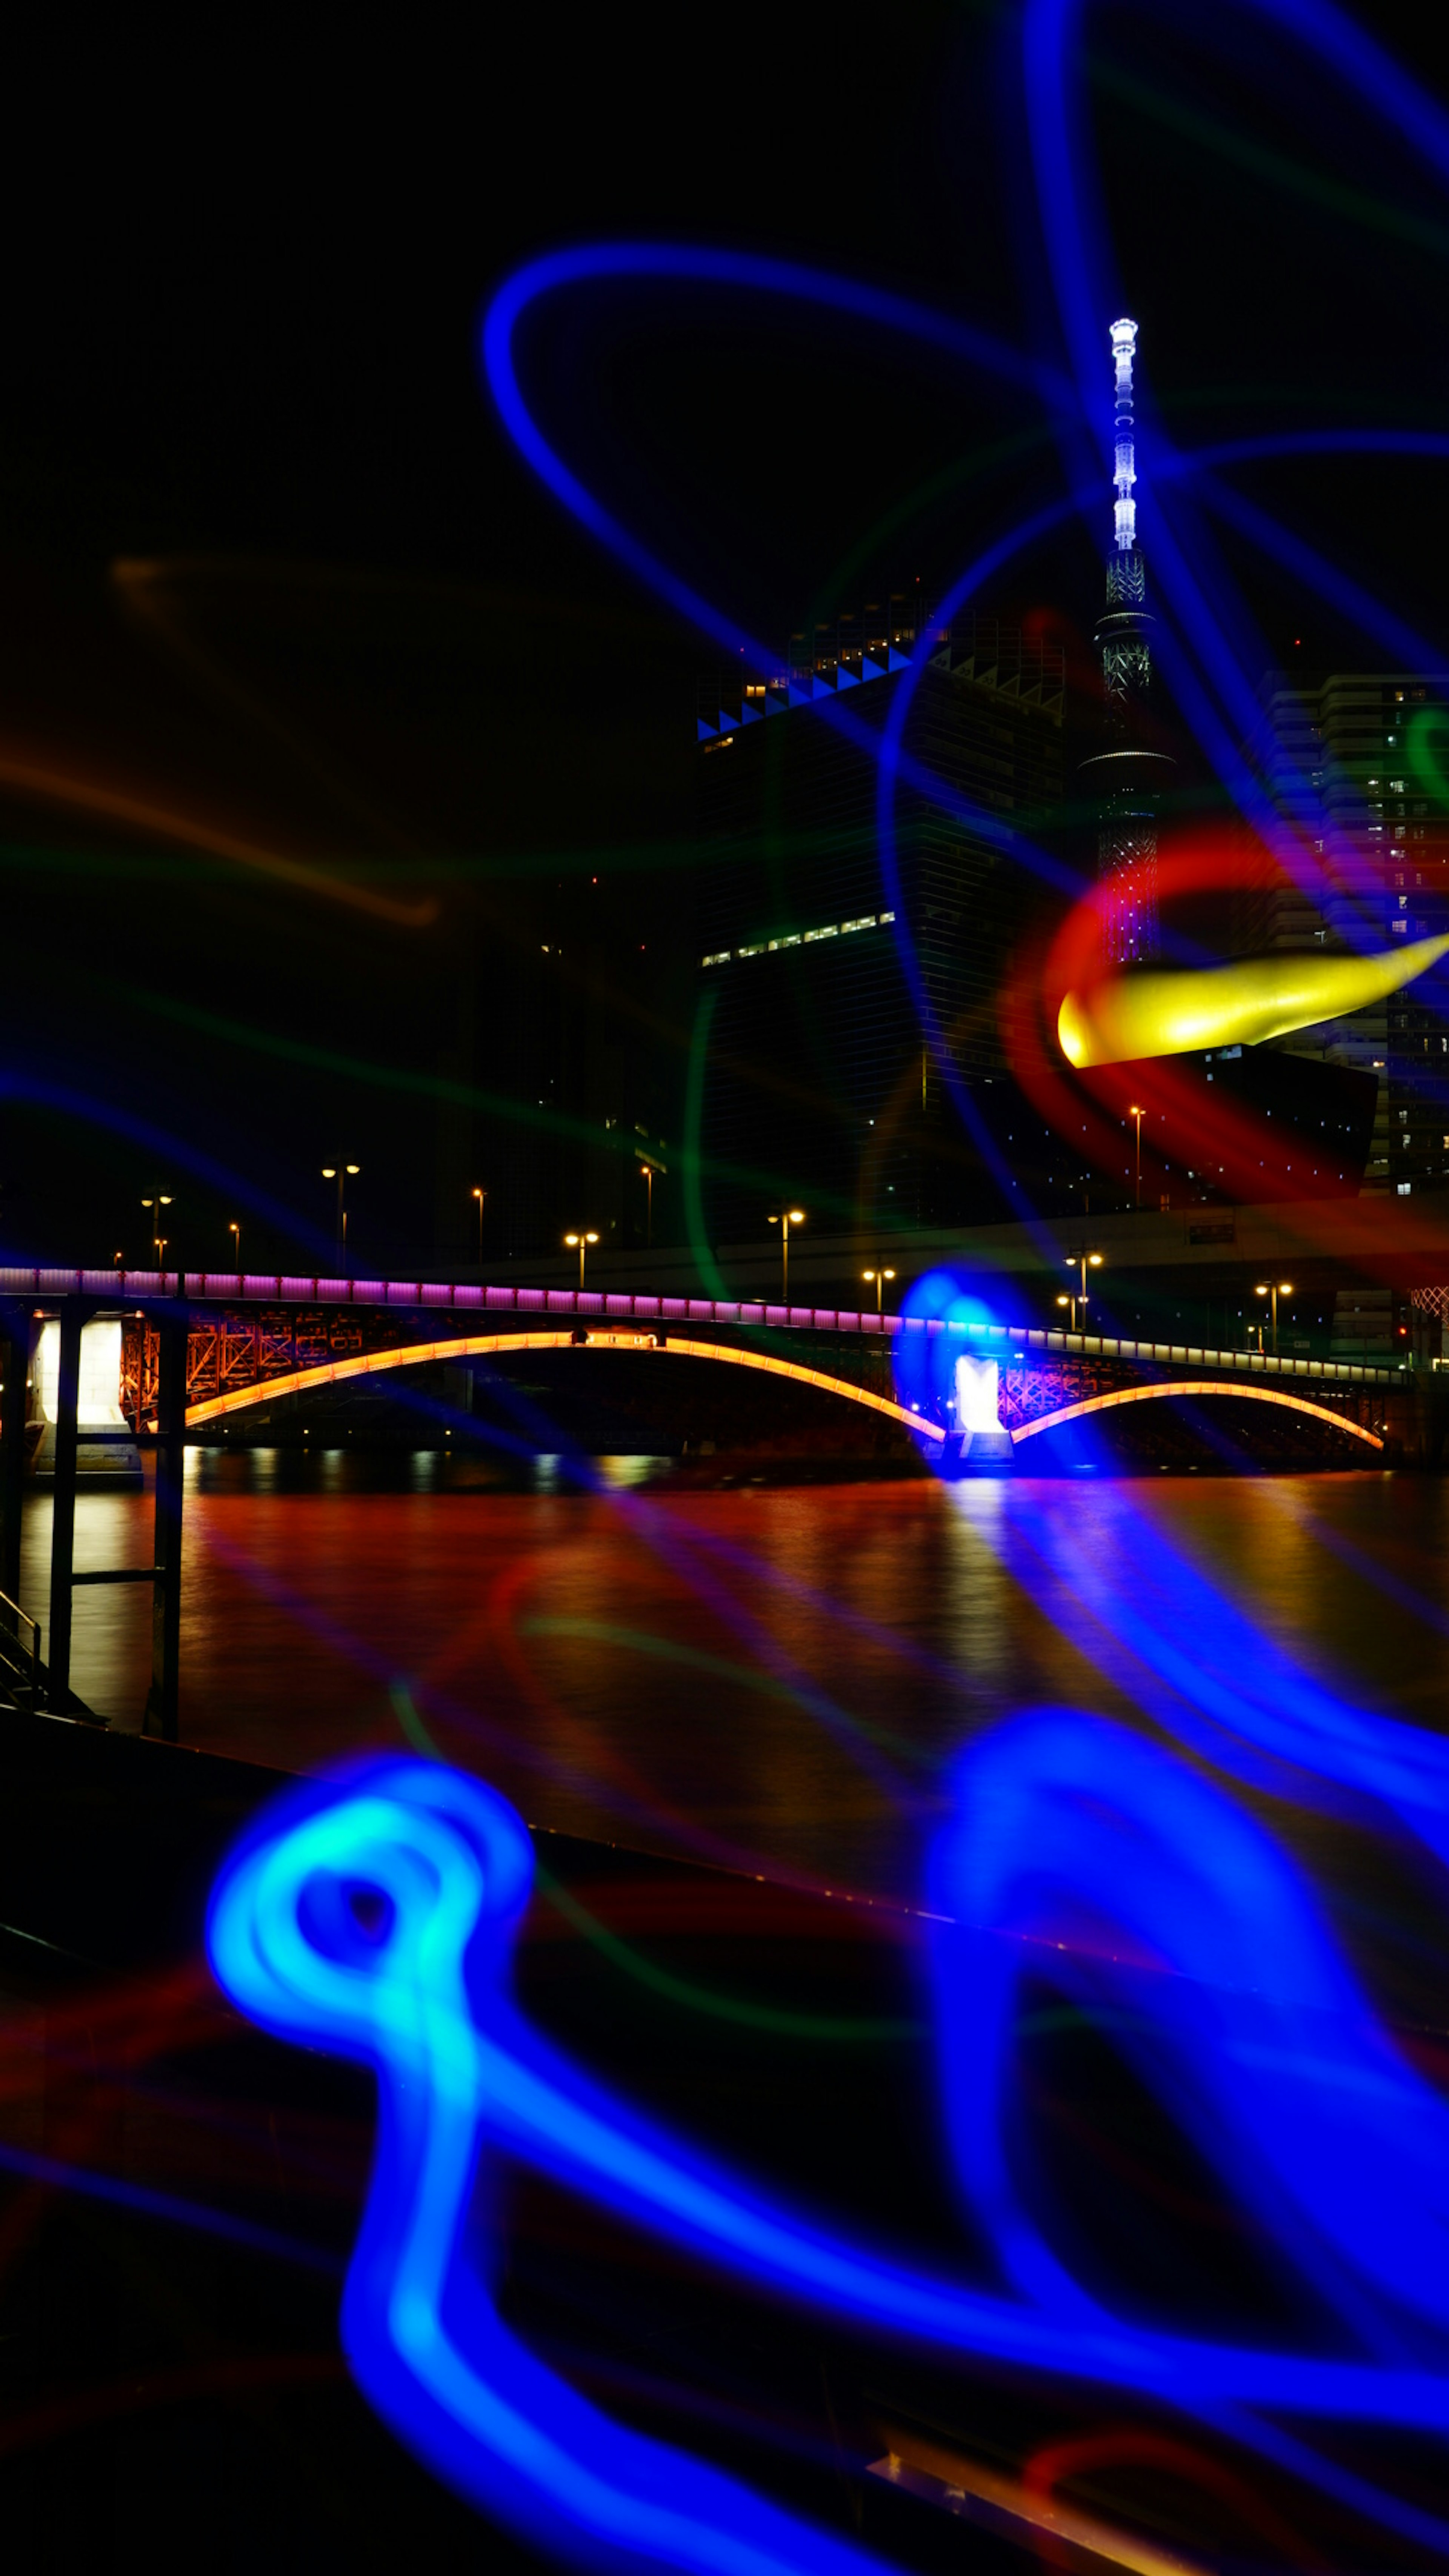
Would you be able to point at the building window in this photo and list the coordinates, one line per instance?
(1405, 1189)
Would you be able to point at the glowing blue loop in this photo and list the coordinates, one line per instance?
(1081, 1837)
(417, 1989)
(1184, 572)
(1074, 234)
(597, 262)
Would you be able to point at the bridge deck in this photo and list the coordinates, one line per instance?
(213, 1288)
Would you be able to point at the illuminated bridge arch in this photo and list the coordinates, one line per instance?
(1192, 1386)
(484, 1345)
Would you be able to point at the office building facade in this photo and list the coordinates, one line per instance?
(1352, 769)
(816, 1080)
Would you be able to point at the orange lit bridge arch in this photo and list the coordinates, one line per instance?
(1194, 1387)
(482, 1345)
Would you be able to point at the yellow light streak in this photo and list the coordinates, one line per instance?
(1127, 1018)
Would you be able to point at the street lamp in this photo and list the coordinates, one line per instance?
(583, 1241)
(880, 1277)
(648, 1171)
(161, 1199)
(790, 1216)
(340, 1173)
(235, 1232)
(481, 1196)
(1139, 1115)
(1279, 1288)
(1082, 1261)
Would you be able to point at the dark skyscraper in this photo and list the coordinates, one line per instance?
(1128, 773)
(1354, 766)
(816, 1077)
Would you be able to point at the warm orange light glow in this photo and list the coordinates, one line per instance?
(191, 831)
(478, 1345)
(1186, 1386)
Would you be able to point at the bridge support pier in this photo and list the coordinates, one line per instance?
(1431, 1416)
(73, 1314)
(163, 1700)
(15, 1360)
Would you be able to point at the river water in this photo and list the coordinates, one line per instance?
(779, 1679)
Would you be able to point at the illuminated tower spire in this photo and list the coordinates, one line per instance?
(1126, 775)
(1124, 350)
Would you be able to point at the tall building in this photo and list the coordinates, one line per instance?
(817, 1081)
(1127, 775)
(1350, 767)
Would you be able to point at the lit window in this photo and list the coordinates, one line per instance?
(721, 957)
(831, 931)
(757, 951)
(1405, 1189)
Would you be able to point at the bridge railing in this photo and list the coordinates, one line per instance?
(282, 1288)
(21, 1677)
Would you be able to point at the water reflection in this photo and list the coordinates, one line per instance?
(776, 1677)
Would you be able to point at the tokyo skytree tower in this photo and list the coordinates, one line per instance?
(1126, 776)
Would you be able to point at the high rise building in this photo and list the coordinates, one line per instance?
(1351, 767)
(817, 1079)
(1127, 775)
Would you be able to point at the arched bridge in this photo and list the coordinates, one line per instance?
(197, 1347)
(467, 1346)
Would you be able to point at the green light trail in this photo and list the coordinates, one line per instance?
(631, 1962)
(666, 1650)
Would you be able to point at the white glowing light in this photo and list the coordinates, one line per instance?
(1124, 349)
(978, 1384)
(98, 1396)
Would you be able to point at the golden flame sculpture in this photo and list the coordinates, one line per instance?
(1174, 1011)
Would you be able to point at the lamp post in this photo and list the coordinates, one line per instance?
(648, 1171)
(161, 1199)
(1083, 1261)
(788, 1217)
(235, 1232)
(880, 1277)
(1278, 1287)
(1139, 1115)
(341, 1173)
(582, 1241)
(481, 1196)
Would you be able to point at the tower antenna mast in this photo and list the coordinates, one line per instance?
(1124, 350)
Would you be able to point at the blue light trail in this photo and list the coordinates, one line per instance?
(374, 1918)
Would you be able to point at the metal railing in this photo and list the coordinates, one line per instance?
(23, 1670)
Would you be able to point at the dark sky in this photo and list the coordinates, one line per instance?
(242, 287)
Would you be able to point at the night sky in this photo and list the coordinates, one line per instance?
(312, 704)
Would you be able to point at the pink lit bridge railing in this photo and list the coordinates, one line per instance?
(281, 1288)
